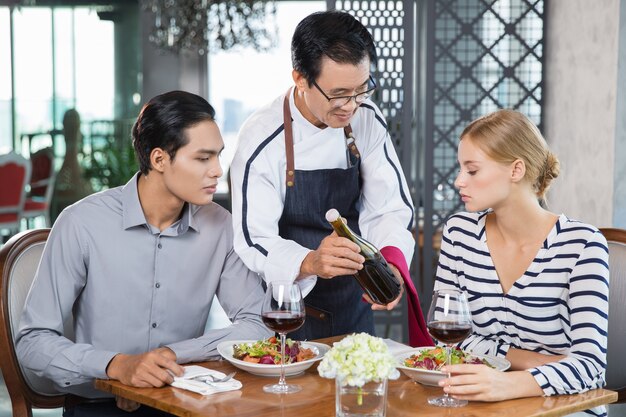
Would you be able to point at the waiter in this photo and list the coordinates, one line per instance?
(323, 144)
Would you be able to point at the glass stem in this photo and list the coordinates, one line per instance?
(448, 363)
(281, 381)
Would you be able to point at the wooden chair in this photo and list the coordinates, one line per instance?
(14, 175)
(616, 369)
(19, 260)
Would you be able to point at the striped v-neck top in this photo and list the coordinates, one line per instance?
(558, 306)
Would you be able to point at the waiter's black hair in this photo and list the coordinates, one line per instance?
(162, 123)
(335, 34)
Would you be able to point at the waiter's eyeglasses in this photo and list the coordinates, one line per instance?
(359, 98)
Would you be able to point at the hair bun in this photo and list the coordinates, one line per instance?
(551, 170)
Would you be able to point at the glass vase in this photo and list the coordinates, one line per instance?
(370, 400)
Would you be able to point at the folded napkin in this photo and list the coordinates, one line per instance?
(396, 348)
(192, 381)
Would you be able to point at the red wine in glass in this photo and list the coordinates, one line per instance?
(449, 332)
(283, 321)
(282, 312)
(449, 321)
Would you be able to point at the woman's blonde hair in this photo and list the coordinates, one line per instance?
(508, 135)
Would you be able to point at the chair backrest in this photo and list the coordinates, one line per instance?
(14, 175)
(42, 176)
(616, 369)
(19, 260)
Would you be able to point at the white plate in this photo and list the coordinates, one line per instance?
(426, 377)
(226, 350)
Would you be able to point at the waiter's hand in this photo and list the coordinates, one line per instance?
(395, 302)
(334, 257)
(150, 369)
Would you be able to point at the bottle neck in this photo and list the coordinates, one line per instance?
(342, 229)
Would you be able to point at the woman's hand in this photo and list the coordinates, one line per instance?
(482, 383)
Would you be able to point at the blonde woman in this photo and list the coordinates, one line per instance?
(537, 281)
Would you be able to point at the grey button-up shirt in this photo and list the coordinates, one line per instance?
(133, 288)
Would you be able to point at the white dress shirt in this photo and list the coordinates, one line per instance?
(258, 186)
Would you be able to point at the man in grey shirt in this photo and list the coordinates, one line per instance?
(138, 266)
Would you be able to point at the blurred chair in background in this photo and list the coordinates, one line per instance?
(14, 175)
(41, 186)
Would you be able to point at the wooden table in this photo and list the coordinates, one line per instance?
(317, 399)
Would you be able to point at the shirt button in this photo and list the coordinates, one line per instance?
(154, 325)
(159, 246)
(157, 285)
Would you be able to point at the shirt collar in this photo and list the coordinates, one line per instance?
(308, 128)
(134, 215)
(547, 243)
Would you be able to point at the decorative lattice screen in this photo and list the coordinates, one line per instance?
(483, 55)
(468, 58)
(391, 24)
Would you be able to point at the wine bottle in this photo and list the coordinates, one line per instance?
(376, 278)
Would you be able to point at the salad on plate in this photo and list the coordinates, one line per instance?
(434, 359)
(267, 352)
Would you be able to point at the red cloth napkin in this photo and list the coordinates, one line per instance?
(418, 333)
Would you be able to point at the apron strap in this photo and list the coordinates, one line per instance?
(351, 141)
(290, 178)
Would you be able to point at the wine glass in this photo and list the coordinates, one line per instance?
(449, 321)
(283, 312)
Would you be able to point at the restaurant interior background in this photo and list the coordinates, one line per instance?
(442, 64)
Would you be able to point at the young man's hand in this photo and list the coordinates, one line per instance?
(151, 369)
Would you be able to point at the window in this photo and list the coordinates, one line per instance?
(6, 134)
(33, 69)
(56, 67)
(94, 65)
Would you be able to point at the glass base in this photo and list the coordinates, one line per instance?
(282, 388)
(370, 400)
(444, 401)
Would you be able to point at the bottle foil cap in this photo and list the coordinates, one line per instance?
(332, 215)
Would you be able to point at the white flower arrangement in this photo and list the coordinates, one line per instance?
(358, 359)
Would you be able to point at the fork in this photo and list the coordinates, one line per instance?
(210, 379)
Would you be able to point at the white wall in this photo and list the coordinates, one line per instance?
(619, 190)
(581, 70)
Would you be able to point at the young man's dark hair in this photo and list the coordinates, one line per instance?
(162, 122)
(337, 35)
